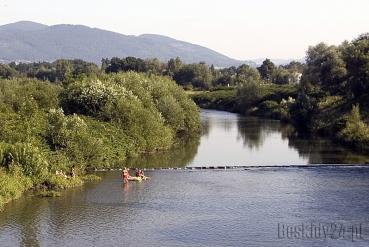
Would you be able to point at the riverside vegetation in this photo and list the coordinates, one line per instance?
(85, 122)
(331, 98)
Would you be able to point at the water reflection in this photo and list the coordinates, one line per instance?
(24, 221)
(231, 139)
(254, 131)
(179, 156)
(322, 151)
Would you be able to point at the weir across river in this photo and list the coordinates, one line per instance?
(247, 167)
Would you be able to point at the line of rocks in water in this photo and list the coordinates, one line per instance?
(242, 167)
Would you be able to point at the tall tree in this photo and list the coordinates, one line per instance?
(173, 66)
(325, 67)
(266, 70)
(356, 56)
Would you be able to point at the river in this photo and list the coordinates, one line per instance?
(271, 206)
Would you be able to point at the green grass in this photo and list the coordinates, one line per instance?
(220, 99)
(226, 98)
(278, 92)
(12, 186)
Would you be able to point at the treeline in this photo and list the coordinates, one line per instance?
(61, 70)
(51, 129)
(190, 76)
(203, 76)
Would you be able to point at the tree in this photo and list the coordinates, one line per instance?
(154, 66)
(266, 70)
(6, 71)
(226, 76)
(245, 72)
(356, 56)
(248, 94)
(325, 67)
(126, 64)
(294, 66)
(281, 76)
(173, 66)
(303, 110)
(197, 75)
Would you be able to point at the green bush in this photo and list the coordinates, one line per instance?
(248, 95)
(12, 185)
(56, 182)
(29, 158)
(356, 132)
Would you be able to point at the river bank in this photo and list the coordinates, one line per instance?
(329, 118)
(52, 133)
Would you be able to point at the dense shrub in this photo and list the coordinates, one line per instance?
(356, 132)
(248, 95)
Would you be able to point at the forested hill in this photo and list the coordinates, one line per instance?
(30, 42)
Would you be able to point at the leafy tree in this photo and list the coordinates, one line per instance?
(248, 94)
(197, 75)
(173, 66)
(356, 56)
(294, 66)
(247, 73)
(226, 76)
(303, 110)
(356, 130)
(266, 70)
(7, 72)
(281, 76)
(154, 66)
(126, 64)
(325, 67)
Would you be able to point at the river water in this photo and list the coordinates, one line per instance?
(278, 206)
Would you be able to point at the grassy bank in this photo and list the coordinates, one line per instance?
(48, 130)
(271, 100)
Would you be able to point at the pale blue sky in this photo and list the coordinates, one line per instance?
(242, 29)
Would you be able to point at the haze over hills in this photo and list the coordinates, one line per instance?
(29, 42)
(278, 61)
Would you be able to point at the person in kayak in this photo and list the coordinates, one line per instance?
(125, 175)
(138, 173)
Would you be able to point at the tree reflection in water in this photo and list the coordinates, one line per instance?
(179, 156)
(255, 131)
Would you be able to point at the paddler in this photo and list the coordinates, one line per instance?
(138, 173)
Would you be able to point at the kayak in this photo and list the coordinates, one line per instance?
(138, 179)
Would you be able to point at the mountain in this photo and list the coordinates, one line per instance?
(29, 41)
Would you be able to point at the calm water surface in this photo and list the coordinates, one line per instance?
(234, 140)
(209, 207)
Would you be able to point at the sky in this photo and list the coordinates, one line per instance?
(241, 29)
